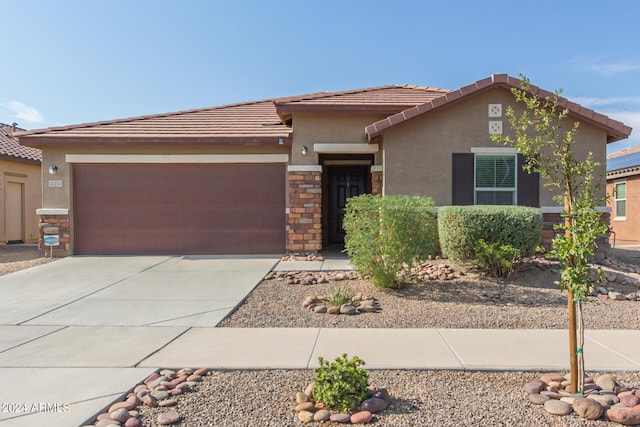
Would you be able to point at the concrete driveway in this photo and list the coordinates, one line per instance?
(73, 331)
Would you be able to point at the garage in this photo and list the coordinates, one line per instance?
(179, 209)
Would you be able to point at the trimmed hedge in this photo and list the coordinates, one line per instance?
(461, 227)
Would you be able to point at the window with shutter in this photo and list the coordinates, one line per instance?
(495, 179)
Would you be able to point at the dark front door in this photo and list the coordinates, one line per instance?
(344, 182)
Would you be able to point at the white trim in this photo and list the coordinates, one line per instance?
(347, 162)
(494, 150)
(52, 211)
(177, 158)
(616, 200)
(560, 209)
(304, 168)
(345, 148)
(376, 168)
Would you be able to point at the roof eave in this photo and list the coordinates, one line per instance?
(37, 141)
(622, 173)
(616, 130)
(286, 110)
(16, 159)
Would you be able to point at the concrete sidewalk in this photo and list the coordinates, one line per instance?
(458, 349)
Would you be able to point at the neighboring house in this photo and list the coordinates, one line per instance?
(20, 188)
(273, 176)
(623, 188)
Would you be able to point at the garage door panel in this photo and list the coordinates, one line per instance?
(179, 209)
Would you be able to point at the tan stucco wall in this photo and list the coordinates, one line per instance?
(309, 129)
(418, 153)
(626, 230)
(30, 176)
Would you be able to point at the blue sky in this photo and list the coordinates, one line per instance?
(67, 62)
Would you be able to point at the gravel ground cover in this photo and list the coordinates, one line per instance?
(528, 300)
(15, 258)
(419, 398)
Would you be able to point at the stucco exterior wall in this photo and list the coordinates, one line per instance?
(310, 129)
(626, 229)
(418, 153)
(29, 176)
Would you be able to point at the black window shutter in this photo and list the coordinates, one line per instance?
(462, 180)
(528, 186)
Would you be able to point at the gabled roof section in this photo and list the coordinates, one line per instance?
(9, 146)
(624, 163)
(382, 99)
(615, 129)
(251, 123)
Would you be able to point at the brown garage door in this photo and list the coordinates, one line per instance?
(179, 208)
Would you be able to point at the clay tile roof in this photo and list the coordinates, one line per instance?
(10, 147)
(250, 122)
(615, 130)
(381, 96)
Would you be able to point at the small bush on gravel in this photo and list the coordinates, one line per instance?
(461, 227)
(496, 259)
(342, 384)
(338, 296)
(386, 234)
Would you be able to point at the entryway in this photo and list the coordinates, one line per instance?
(343, 182)
(14, 209)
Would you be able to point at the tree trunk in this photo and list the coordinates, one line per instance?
(571, 307)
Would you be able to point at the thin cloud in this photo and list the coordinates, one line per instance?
(611, 68)
(592, 101)
(24, 112)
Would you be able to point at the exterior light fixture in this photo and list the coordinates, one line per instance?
(304, 150)
(53, 169)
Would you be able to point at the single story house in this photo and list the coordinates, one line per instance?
(273, 176)
(20, 188)
(623, 188)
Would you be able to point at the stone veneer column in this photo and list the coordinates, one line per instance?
(376, 180)
(304, 220)
(55, 221)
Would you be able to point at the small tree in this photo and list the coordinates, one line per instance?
(548, 149)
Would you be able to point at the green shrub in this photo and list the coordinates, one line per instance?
(338, 296)
(461, 227)
(386, 234)
(496, 259)
(342, 384)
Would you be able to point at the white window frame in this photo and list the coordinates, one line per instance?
(496, 151)
(616, 200)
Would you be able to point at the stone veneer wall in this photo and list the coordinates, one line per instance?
(304, 221)
(548, 233)
(56, 224)
(376, 182)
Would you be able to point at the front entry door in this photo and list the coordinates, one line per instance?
(14, 222)
(344, 182)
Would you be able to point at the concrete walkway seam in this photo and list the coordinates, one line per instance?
(455, 353)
